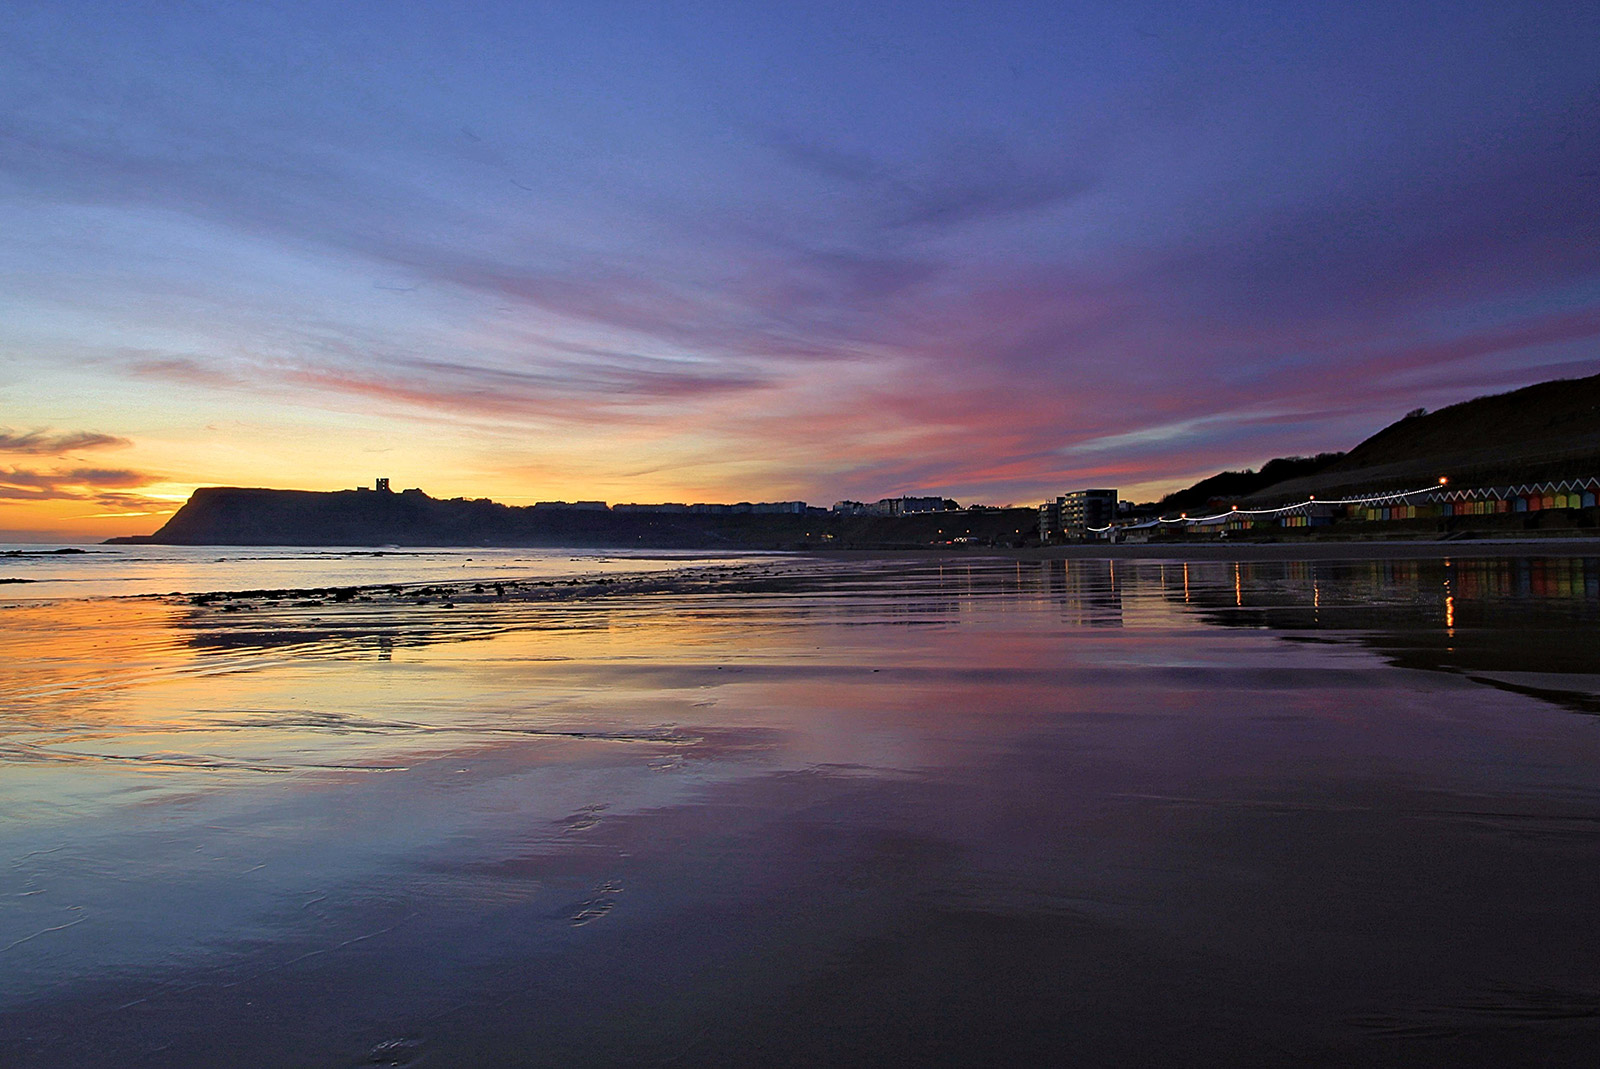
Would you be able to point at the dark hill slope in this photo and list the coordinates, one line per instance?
(1547, 431)
(1234, 485)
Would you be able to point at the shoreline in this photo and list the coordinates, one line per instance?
(1244, 551)
(769, 573)
(768, 570)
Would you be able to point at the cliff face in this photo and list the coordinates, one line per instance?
(240, 516)
(228, 515)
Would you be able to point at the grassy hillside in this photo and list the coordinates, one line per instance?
(1233, 485)
(1549, 430)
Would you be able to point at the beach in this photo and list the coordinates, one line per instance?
(965, 810)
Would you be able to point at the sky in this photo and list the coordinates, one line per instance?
(756, 251)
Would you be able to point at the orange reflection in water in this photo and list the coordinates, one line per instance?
(69, 654)
(861, 741)
(847, 667)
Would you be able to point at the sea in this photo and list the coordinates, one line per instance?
(80, 571)
(774, 810)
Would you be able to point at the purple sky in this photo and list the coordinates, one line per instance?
(724, 251)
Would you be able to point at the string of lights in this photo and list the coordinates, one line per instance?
(1373, 499)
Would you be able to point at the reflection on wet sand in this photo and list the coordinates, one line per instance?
(983, 812)
(1519, 624)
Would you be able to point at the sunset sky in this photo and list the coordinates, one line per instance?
(752, 251)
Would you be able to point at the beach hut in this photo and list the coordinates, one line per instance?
(1140, 532)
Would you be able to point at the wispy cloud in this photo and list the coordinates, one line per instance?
(977, 178)
(106, 486)
(573, 387)
(46, 443)
(1108, 270)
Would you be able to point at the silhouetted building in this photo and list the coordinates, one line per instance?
(1049, 520)
(1078, 514)
(1084, 510)
(747, 508)
(382, 486)
(894, 506)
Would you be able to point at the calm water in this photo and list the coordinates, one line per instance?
(61, 571)
(1075, 813)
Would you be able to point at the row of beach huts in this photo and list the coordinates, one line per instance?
(1058, 521)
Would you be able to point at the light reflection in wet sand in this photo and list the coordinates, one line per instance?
(976, 812)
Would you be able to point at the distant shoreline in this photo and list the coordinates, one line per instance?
(1245, 551)
(762, 570)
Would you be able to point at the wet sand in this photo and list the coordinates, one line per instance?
(934, 812)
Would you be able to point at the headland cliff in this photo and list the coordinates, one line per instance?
(248, 516)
